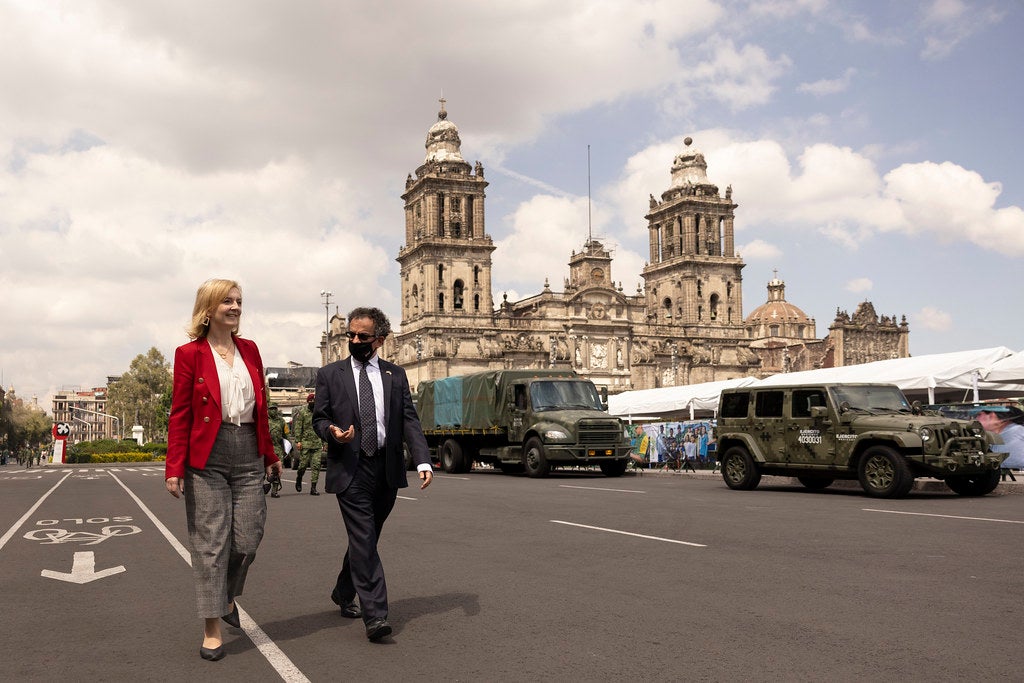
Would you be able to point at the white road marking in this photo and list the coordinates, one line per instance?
(630, 533)
(14, 529)
(600, 488)
(83, 570)
(267, 647)
(927, 514)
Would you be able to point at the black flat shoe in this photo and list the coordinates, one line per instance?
(232, 617)
(211, 654)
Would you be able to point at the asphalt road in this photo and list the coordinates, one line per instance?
(504, 578)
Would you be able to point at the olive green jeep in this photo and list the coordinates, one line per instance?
(822, 432)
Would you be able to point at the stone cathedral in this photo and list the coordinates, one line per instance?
(685, 325)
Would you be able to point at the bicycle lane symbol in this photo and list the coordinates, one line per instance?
(50, 535)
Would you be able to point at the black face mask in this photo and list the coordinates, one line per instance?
(361, 351)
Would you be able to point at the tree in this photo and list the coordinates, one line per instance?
(140, 396)
(24, 426)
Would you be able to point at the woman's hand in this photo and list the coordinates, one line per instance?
(175, 486)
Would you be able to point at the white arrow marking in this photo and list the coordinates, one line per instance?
(83, 570)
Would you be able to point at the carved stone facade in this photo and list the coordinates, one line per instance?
(684, 326)
(865, 337)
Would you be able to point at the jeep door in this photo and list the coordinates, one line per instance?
(809, 440)
(769, 426)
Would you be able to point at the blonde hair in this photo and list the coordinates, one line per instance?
(208, 296)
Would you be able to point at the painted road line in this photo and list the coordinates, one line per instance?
(14, 529)
(83, 570)
(927, 514)
(599, 488)
(267, 647)
(629, 533)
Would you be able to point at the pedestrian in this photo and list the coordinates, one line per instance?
(218, 452)
(689, 453)
(277, 438)
(364, 411)
(1001, 421)
(308, 444)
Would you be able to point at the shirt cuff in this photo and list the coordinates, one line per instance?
(425, 467)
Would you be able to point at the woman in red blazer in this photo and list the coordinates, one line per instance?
(218, 451)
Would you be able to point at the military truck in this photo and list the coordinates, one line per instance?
(869, 432)
(520, 420)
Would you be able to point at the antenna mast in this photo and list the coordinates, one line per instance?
(590, 234)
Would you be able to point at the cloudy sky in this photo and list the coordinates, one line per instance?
(874, 151)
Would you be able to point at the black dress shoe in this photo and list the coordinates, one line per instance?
(232, 617)
(377, 628)
(211, 654)
(349, 608)
(313, 491)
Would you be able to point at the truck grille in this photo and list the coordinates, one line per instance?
(600, 431)
(942, 436)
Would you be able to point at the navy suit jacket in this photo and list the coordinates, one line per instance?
(337, 404)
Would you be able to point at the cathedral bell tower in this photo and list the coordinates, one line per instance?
(446, 259)
(693, 280)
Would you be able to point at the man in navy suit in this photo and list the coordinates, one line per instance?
(364, 411)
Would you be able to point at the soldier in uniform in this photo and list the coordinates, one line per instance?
(308, 444)
(277, 436)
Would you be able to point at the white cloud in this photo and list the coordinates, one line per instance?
(950, 22)
(931, 318)
(759, 250)
(861, 284)
(829, 86)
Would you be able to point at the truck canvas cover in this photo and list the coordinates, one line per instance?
(472, 401)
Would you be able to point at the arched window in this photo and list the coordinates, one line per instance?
(714, 307)
(667, 304)
(440, 301)
(440, 272)
(440, 214)
(476, 275)
(476, 302)
(457, 295)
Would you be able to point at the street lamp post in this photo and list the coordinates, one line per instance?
(325, 296)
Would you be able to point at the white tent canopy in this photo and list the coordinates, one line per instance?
(1008, 369)
(967, 370)
(673, 399)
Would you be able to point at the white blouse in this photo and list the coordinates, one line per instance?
(237, 394)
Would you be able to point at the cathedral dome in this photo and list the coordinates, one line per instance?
(779, 318)
(443, 143)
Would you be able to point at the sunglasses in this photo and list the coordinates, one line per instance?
(360, 336)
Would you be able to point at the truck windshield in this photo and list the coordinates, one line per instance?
(871, 399)
(563, 395)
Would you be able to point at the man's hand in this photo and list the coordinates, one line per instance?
(276, 468)
(343, 436)
(175, 486)
(427, 476)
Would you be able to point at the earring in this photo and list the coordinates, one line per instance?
(206, 320)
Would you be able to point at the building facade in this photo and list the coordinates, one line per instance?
(684, 325)
(85, 412)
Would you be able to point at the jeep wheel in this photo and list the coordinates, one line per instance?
(451, 457)
(534, 462)
(739, 470)
(974, 484)
(815, 483)
(614, 468)
(884, 474)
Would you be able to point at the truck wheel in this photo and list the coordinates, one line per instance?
(739, 469)
(451, 456)
(614, 468)
(974, 484)
(815, 483)
(884, 474)
(534, 462)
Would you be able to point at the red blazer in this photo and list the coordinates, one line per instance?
(196, 410)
